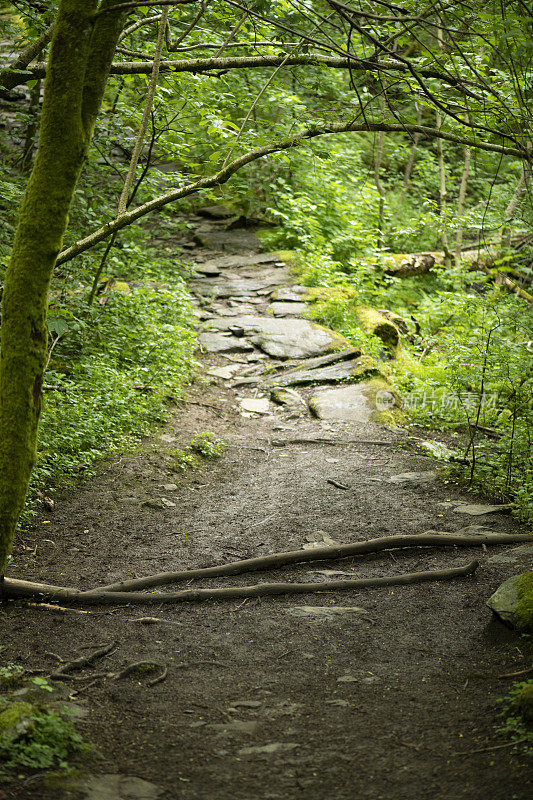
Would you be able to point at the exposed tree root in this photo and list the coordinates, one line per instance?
(13, 588)
(83, 661)
(316, 554)
(142, 666)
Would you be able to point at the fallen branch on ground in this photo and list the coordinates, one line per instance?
(285, 442)
(26, 588)
(316, 554)
(516, 674)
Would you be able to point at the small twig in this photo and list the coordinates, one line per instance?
(51, 607)
(76, 692)
(494, 747)
(336, 484)
(516, 674)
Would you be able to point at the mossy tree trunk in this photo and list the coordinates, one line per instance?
(82, 48)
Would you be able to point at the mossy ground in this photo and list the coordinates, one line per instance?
(524, 609)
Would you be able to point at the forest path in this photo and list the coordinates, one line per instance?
(382, 693)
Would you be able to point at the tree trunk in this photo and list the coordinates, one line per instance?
(81, 54)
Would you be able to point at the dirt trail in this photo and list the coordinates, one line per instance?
(384, 693)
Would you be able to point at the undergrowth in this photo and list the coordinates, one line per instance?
(465, 366)
(516, 715)
(34, 733)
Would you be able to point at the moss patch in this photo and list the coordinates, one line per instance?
(524, 610)
(339, 342)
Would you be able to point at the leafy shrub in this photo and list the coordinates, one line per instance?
(207, 445)
(36, 737)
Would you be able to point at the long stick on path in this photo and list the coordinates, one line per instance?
(316, 554)
(14, 588)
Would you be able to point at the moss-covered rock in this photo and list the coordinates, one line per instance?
(373, 321)
(524, 608)
(338, 341)
(512, 602)
(386, 402)
(15, 721)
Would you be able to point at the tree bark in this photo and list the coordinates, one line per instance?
(81, 54)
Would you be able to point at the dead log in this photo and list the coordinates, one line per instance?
(406, 265)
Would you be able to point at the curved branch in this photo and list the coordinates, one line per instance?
(225, 174)
(275, 560)
(8, 76)
(245, 62)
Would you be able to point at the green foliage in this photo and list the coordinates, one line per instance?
(524, 609)
(11, 676)
(112, 374)
(517, 714)
(207, 445)
(36, 737)
(182, 460)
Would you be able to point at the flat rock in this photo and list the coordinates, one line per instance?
(246, 704)
(268, 749)
(340, 371)
(216, 343)
(119, 787)
(517, 555)
(234, 288)
(257, 405)
(321, 361)
(235, 726)
(292, 294)
(234, 240)
(208, 269)
(345, 403)
(283, 309)
(224, 372)
(286, 338)
(242, 260)
(287, 397)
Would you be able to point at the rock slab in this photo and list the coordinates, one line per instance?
(285, 338)
(216, 343)
(346, 403)
(119, 787)
(330, 374)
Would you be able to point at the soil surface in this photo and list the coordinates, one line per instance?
(384, 692)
